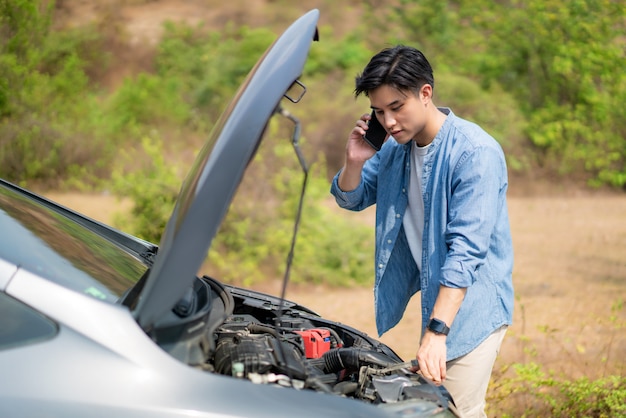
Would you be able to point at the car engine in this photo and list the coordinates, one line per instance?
(269, 341)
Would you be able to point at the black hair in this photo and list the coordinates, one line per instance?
(402, 67)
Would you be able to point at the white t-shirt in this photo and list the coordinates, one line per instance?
(414, 216)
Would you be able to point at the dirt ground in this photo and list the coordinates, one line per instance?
(569, 277)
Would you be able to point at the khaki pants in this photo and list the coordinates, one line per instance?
(467, 377)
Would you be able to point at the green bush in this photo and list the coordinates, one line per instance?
(209, 65)
(152, 184)
(332, 55)
(526, 389)
(329, 249)
(493, 109)
(564, 62)
(255, 239)
(557, 65)
(548, 395)
(146, 102)
(46, 106)
(561, 60)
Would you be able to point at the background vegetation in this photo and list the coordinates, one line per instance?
(545, 77)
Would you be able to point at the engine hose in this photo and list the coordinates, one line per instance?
(353, 358)
(337, 342)
(260, 329)
(318, 384)
(346, 388)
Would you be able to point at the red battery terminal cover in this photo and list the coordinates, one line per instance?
(316, 342)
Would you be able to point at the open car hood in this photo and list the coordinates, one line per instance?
(210, 186)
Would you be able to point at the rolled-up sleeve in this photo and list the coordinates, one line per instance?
(348, 200)
(366, 192)
(476, 185)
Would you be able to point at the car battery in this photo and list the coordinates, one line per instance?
(316, 342)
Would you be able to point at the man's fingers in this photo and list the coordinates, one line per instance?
(435, 372)
(443, 369)
(432, 370)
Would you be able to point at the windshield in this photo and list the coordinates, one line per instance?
(48, 244)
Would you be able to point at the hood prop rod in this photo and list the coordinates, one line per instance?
(305, 169)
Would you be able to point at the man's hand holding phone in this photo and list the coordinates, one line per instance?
(359, 150)
(366, 138)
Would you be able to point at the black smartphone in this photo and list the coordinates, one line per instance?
(375, 134)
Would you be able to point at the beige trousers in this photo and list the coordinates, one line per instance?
(467, 377)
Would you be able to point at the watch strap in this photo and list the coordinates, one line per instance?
(438, 326)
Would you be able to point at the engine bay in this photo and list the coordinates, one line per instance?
(266, 340)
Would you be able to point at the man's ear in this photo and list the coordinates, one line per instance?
(426, 93)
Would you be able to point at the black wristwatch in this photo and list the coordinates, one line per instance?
(438, 326)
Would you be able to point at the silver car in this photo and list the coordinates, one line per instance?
(97, 323)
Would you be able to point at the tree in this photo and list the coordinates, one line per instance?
(564, 61)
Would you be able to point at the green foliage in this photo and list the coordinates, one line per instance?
(503, 118)
(425, 24)
(152, 186)
(526, 389)
(564, 61)
(560, 397)
(332, 250)
(331, 56)
(561, 60)
(551, 76)
(147, 101)
(329, 249)
(252, 244)
(45, 106)
(24, 23)
(209, 65)
(255, 239)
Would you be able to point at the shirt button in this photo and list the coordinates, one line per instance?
(388, 241)
(380, 266)
(397, 215)
(403, 190)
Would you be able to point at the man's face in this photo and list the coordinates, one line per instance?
(402, 113)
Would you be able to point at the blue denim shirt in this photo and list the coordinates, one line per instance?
(467, 239)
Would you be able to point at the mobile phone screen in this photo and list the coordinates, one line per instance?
(375, 134)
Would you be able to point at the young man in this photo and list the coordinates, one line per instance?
(439, 184)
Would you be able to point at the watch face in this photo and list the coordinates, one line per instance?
(437, 326)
